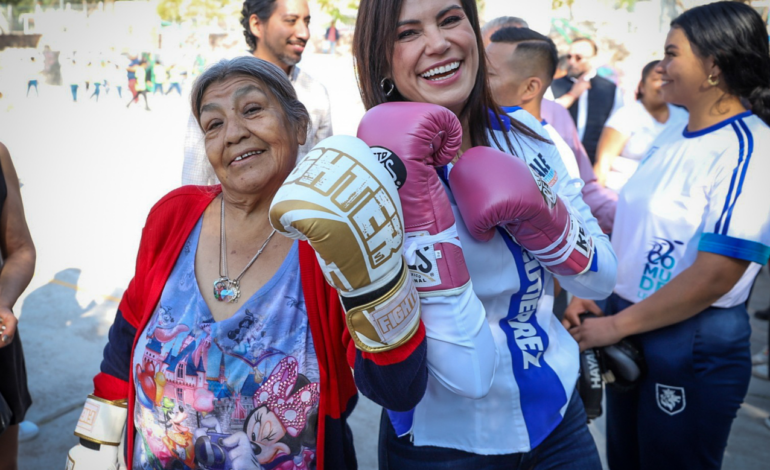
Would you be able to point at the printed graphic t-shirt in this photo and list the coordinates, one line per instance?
(695, 191)
(239, 393)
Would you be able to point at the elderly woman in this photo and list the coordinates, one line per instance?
(511, 217)
(229, 349)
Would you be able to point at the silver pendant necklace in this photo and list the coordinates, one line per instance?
(226, 289)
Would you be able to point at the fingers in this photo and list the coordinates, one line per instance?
(592, 307)
(571, 318)
(7, 328)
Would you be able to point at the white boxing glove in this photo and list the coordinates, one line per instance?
(101, 429)
(345, 204)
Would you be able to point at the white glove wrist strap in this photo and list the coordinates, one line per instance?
(102, 420)
(414, 243)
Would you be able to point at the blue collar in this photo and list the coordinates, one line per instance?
(503, 117)
(689, 135)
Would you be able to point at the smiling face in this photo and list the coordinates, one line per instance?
(436, 57)
(282, 38)
(684, 74)
(249, 141)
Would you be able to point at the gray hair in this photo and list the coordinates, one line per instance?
(271, 75)
(504, 21)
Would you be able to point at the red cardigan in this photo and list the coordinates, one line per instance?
(395, 379)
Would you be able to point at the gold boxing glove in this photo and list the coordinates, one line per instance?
(345, 204)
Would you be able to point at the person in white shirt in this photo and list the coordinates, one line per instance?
(590, 98)
(276, 31)
(629, 132)
(691, 232)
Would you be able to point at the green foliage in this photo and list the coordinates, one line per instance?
(560, 3)
(205, 11)
(334, 8)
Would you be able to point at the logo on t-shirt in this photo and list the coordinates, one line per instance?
(659, 266)
(546, 177)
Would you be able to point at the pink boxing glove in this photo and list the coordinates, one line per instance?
(493, 189)
(411, 140)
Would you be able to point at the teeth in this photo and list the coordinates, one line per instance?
(440, 70)
(245, 155)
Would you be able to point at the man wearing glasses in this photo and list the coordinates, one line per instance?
(590, 99)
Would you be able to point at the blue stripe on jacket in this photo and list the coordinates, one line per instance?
(541, 391)
(732, 179)
(749, 153)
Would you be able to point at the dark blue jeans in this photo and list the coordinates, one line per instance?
(680, 415)
(570, 445)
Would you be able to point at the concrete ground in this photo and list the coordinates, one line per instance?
(90, 174)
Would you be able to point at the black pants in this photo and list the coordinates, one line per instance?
(13, 379)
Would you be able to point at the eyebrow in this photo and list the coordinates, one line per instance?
(244, 90)
(439, 15)
(294, 16)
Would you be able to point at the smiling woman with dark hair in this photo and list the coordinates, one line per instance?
(691, 233)
(229, 349)
(503, 194)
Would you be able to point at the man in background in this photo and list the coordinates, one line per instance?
(601, 201)
(590, 99)
(276, 31)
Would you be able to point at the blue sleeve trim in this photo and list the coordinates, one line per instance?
(734, 247)
(595, 262)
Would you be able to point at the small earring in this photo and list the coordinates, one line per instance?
(713, 81)
(387, 83)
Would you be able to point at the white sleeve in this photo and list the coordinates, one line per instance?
(596, 283)
(196, 168)
(737, 218)
(623, 120)
(462, 354)
(599, 281)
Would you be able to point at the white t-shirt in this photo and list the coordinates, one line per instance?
(642, 129)
(695, 191)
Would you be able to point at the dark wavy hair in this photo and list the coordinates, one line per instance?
(264, 9)
(645, 73)
(373, 44)
(735, 36)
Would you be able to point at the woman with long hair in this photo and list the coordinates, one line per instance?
(691, 233)
(427, 53)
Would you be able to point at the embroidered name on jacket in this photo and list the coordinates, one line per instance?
(525, 331)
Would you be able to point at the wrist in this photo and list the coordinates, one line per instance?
(624, 323)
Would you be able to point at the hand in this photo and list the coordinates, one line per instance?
(596, 332)
(580, 87)
(241, 455)
(577, 307)
(7, 326)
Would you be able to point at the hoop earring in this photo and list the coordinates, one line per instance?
(713, 81)
(387, 83)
